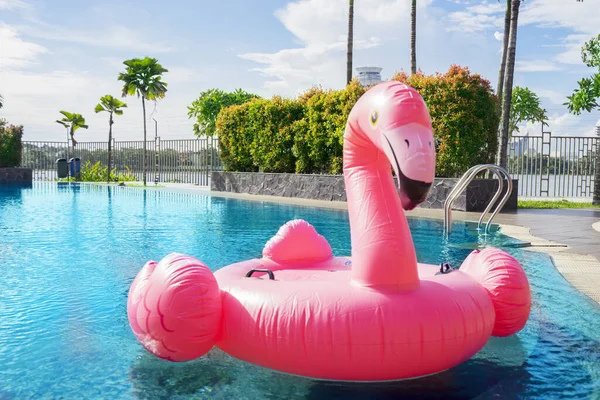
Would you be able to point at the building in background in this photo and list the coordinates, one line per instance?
(368, 76)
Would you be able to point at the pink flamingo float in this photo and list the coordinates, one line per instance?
(377, 315)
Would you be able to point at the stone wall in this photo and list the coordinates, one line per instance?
(317, 187)
(331, 188)
(16, 175)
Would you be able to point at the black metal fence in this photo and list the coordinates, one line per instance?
(177, 161)
(554, 166)
(546, 165)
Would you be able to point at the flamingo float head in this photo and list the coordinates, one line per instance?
(394, 118)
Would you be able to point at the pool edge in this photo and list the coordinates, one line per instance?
(582, 271)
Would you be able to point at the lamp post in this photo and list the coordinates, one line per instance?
(69, 154)
(155, 151)
(596, 200)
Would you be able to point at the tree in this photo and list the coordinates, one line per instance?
(112, 106)
(458, 101)
(506, 75)
(506, 34)
(205, 109)
(72, 122)
(144, 78)
(508, 83)
(413, 37)
(586, 97)
(350, 41)
(1, 101)
(525, 107)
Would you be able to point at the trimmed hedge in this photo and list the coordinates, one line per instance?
(305, 135)
(319, 137)
(462, 107)
(270, 123)
(10, 144)
(235, 138)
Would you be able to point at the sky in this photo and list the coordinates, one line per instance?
(66, 54)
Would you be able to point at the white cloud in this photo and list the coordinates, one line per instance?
(579, 17)
(553, 96)
(25, 84)
(478, 18)
(115, 36)
(15, 51)
(320, 27)
(303, 66)
(499, 36)
(572, 44)
(34, 99)
(536, 66)
(562, 124)
(12, 4)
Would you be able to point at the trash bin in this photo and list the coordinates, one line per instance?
(75, 166)
(62, 168)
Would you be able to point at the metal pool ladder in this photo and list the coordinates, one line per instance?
(461, 185)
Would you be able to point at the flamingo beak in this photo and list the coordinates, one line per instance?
(414, 168)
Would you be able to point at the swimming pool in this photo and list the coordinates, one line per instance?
(69, 252)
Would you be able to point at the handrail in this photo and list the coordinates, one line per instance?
(460, 186)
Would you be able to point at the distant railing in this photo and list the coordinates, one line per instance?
(546, 165)
(179, 161)
(553, 166)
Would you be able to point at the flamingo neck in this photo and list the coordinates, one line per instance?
(382, 248)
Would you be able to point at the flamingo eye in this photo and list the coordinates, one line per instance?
(374, 118)
(407, 143)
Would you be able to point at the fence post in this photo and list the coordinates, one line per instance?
(156, 163)
(545, 162)
(596, 200)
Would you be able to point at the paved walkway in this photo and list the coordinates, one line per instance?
(572, 227)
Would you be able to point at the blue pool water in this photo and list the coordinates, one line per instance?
(68, 254)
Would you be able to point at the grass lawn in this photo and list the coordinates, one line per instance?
(554, 204)
(148, 185)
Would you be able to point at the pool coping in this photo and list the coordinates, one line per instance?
(582, 271)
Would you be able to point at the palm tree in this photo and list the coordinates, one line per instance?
(413, 37)
(503, 57)
(508, 82)
(506, 75)
(350, 41)
(112, 106)
(72, 122)
(144, 78)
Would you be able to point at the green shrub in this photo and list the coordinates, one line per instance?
(270, 123)
(319, 139)
(98, 173)
(235, 138)
(10, 144)
(462, 107)
(259, 135)
(305, 135)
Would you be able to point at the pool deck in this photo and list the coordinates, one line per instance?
(571, 237)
